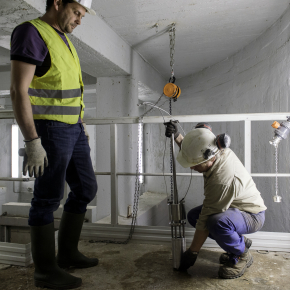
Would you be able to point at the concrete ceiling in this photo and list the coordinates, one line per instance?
(207, 31)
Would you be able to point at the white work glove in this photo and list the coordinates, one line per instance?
(35, 159)
(86, 132)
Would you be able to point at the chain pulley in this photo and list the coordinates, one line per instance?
(170, 89)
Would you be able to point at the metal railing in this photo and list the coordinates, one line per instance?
(114, 122)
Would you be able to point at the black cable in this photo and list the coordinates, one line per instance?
(188, 187)
(164, 167)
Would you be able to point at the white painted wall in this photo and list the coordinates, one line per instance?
(255, 80)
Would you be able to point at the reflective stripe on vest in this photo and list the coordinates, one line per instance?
(57, 94)
(55, 110)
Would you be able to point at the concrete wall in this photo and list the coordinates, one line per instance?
(255, 80)
(116, 97)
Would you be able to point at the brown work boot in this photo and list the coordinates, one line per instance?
(224, 257)
(232, 271)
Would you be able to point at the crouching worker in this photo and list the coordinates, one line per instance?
(232, 205)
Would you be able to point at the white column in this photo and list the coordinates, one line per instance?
(114, 177)
(248, 145)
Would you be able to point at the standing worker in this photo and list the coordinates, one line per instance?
(232, 206)
(47, 97)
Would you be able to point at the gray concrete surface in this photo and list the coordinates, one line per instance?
(143, 266)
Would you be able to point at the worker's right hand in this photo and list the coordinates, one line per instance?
(171, 128)
(188, 259)
(35, 159)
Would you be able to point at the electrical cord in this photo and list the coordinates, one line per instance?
(154, 106)
(163, 167)
(160, 110)
(164, 170)
(187, 188)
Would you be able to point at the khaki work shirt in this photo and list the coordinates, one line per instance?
(228, 184)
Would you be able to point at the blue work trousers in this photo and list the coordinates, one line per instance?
(227, 228)
(69, 160)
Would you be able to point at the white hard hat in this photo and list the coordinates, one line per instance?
(87, 5)
(198, 146)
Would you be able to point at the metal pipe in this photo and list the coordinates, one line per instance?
(270, 175)
(114, 177)
(24, 179)
(188, 174)
(150, 174)
(182, 118)
(16, 179)
(6, 234)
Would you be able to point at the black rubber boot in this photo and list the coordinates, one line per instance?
(68, 239)
(224, 257)
(47, 273)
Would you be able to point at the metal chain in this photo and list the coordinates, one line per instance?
(171, 161)
(276, 163)
(172, 48)
(137, 185)
(136, 197)
(137, 181)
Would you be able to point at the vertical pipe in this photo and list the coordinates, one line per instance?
(114, 177)
(248, 145)
(175, 193)
(6, 234)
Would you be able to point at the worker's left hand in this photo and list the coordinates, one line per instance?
(86, 132)
(188, 259)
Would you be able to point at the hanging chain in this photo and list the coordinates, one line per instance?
(276, 167)
(136, 194)
(137, 183)
(171, 161)
(172, 49)
(137, 180)
(172, 79)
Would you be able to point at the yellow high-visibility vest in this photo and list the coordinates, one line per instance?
(57, 95)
